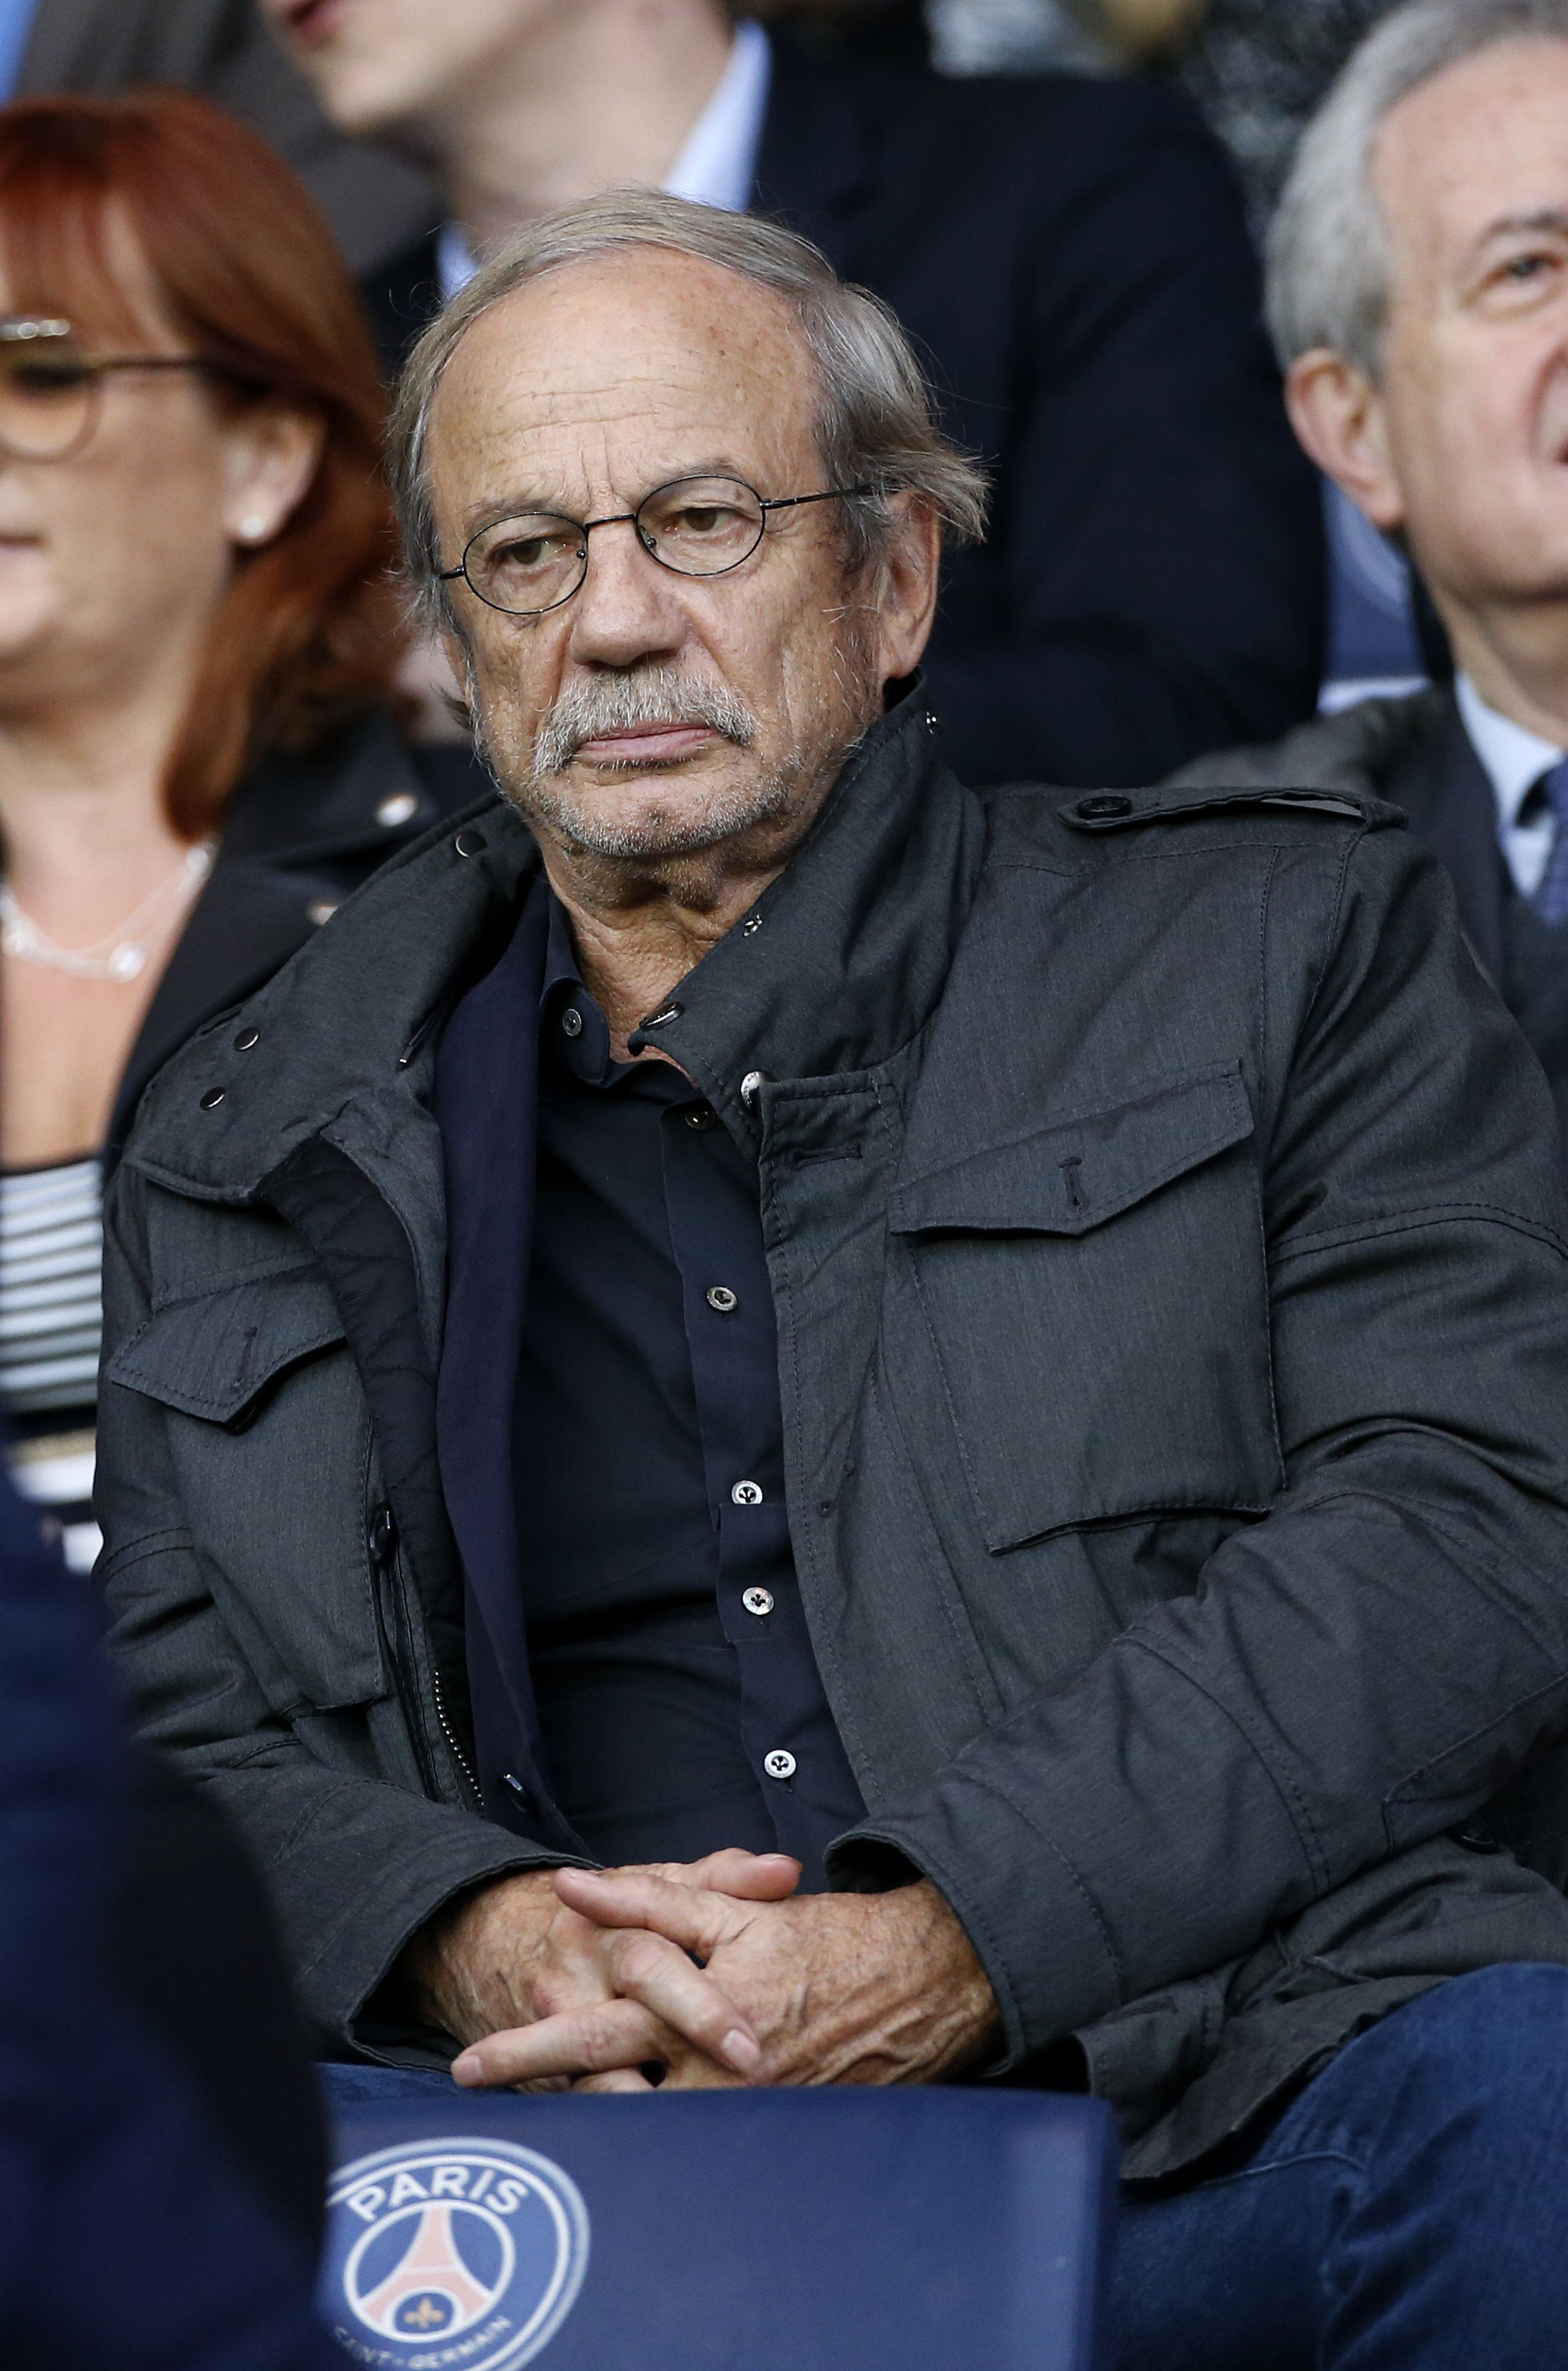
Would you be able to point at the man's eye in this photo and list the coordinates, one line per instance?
(706, 518)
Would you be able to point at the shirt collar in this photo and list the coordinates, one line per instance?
(716, 167)
(1514, 756)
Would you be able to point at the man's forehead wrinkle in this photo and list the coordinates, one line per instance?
(587, 393)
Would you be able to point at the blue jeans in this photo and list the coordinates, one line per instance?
(1408, 2212)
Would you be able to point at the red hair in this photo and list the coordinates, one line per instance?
(246, 268)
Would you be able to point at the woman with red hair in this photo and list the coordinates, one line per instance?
(197, 637)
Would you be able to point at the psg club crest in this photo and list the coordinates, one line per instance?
(451, 2255)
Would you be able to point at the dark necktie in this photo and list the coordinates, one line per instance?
(1550, 896)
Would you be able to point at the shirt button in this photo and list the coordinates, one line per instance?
(721, 1298)
(701, 1116)
(747, 1493)
(757, 1600)
(571, 1022)
(778, 1763)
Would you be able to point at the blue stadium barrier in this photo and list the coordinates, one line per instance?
(834, 2230)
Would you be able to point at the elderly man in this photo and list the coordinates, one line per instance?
(1070, 252)
(747, 1314)
(1419, 291)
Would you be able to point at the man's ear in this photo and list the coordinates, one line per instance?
(907, 587)
(1337, 414)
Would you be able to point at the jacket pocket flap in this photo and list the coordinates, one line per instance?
(1065, 1179)
(209, 1357)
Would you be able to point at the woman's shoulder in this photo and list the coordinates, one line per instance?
(353, 799)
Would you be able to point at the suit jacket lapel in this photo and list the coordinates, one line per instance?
(1447, 795)
(813, 164)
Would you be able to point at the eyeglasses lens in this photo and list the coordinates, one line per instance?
(46, 399)
(698, 526)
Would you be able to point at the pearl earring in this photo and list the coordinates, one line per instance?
(253, 529)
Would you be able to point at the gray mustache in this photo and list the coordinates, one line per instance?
(618, 703)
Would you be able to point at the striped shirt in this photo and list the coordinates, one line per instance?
(51, 1328)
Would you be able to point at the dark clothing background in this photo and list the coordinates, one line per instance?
(1070, 257)
(638, 1409)
(138, 2232)
(1415, 752)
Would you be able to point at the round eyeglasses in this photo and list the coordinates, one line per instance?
(51, 388)
(695, 527)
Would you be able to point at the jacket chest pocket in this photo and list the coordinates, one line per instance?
(270, 1439)
(1097, 1300)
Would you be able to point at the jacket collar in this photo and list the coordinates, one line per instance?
(840, 962)
(843, 959)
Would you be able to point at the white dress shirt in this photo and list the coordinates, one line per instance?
(1515, 760)
(716, 167)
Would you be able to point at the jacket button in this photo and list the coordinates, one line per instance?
(757, 1600)
(1476, 1837)
(383, 1534)
(747, 1493)
(1103, 809)
(671, 1011)
(212, 1099)
(753, 1084)
(245, 1039)
(778, 1763)
(397, 809)
(721, 1298)
(469, 842)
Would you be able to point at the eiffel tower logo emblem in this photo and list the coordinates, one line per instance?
(431, 2291)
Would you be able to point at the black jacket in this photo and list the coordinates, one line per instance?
(1166, 1241)
(1070, 257)
(301, 832)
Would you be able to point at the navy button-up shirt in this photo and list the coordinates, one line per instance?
(679, 1699)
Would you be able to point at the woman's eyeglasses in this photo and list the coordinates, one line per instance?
(51, 388)
(696, 526)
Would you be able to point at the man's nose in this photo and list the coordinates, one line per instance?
(627, 609)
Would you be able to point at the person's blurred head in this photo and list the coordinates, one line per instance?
(415, 70)
(230, 517)
(701, 677)
(1419, 296)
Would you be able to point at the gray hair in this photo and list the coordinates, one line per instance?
(875, 424)
(1328, 250)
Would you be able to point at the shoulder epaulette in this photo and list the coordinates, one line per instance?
(1119, 810)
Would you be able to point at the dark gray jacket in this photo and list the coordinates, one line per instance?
(1168, 1246)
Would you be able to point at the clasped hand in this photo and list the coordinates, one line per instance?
(710, 1974)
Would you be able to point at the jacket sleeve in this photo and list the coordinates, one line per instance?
(1366, 1666)
(355, 1866)
(1157, 532)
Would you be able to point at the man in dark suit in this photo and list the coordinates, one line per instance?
(1070, 255)
(1425, 330)
(373, 201)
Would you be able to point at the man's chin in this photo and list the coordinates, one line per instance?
(647, 814)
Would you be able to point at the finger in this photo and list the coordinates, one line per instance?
(748, 1877)
(695, 1918)
(693, 2007)
(620, 2078)
(612, 2034)
(609, 2038)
